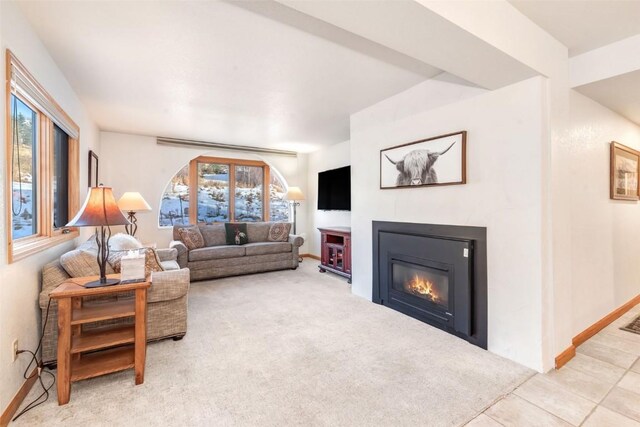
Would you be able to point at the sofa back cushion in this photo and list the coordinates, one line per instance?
(258, 231)
(214, 234)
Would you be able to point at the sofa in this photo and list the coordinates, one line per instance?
(217, 259)
(166, 302)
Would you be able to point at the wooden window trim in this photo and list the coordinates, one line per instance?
(46, 237)
(232, 163)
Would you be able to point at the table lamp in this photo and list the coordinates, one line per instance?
(100, 210)
(294, 194)
(132, 202)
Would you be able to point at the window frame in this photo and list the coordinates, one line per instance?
(232, 163)
(46, 236)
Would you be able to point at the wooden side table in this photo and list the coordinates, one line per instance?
(83, 355)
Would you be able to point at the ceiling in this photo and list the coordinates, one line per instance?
(620, 93)
(584, 25)
(241, 73)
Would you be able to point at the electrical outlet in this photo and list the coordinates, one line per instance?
(15, 349)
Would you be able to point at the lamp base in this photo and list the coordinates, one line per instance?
(98, 283)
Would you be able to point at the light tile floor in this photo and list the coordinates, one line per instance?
(599, 387)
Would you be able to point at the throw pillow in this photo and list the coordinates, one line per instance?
(279, 232)
(236, 233)
(123, 242)
(82, 263)
(152, 262)
(191, 237)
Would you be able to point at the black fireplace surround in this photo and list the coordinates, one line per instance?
(433, 273)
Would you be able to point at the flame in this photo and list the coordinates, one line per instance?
(422, 287)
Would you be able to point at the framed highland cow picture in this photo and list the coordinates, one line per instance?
(625, 169)
(440, 160)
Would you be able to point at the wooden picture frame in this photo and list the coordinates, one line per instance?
(624, 172)
(440, 160)
(93, 169)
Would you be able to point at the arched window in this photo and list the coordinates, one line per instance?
(226, 190)
(174, 207)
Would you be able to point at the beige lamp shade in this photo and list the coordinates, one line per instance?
(294, 193)
(132, 201)
(99, 208)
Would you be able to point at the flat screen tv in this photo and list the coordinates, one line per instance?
(334, 189)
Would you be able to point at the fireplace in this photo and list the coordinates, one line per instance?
(434, 273)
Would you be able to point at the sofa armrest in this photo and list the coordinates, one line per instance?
(167, 254)
(183, 252)
(296, 240)
(169, 285)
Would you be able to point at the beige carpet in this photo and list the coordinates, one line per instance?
(293, 348)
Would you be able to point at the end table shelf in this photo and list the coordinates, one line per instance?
(96, 312)
(99, 339)
(104, 350)
(102, 363)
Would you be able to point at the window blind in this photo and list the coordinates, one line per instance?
(23, 84)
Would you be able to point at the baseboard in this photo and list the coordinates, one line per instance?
(583, 336)
(310, 256)
(15, 403)
(604, 322)
(565, 356)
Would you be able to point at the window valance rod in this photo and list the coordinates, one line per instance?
(215, 145)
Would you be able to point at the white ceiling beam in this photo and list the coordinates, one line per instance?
(615, 59)
(499, 24)
(447, 36)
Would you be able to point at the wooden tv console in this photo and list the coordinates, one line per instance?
(336, 251)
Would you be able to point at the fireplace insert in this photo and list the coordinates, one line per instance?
(434, 273)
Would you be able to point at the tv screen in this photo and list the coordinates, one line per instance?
(334, 189)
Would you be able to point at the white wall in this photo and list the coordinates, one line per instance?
(605, 233)
(20, 281)
(335, 156)
(504, 193)
(136, 163)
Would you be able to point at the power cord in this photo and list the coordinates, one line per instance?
(39, 372)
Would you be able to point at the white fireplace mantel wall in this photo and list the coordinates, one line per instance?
(503, 193)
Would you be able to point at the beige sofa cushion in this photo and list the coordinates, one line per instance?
(258, 231)
(263, 248)
(214, 234)
(216, 252)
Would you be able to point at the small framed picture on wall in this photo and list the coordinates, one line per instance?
(93, 169)
(625, 169)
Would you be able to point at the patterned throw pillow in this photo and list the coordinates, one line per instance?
(191, 237)
(236, 233)
(279, 232)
